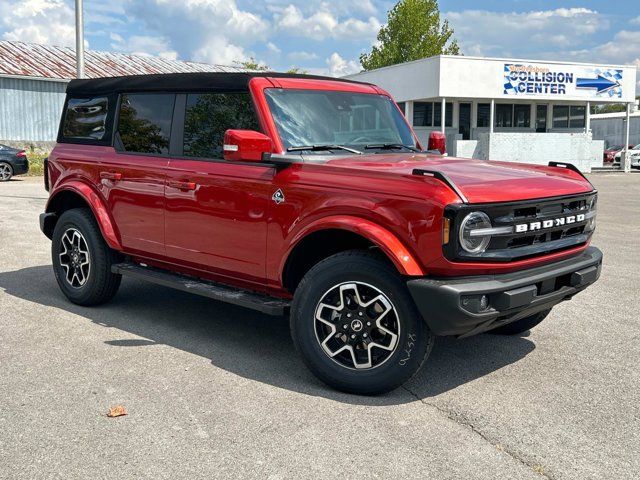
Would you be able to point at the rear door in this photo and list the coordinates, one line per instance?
(216, 211)
(134, 178)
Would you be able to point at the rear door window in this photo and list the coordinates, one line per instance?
(144, 122)
(209, 115)
(85, 118)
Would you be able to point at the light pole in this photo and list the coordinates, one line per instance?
(79, 40)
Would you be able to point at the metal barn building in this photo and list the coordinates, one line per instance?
(33, 79)
(611, 127)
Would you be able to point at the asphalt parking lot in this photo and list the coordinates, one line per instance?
(217, 391)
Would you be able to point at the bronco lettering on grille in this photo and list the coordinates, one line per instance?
(546, 224)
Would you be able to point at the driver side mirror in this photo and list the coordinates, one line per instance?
(245, 145)
(437, 141)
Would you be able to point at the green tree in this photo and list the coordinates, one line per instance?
(252, 64)
(413, 31)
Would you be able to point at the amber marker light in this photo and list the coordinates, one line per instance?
(446, 228)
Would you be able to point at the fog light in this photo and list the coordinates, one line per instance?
(484, 302)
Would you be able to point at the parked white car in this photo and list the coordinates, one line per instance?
(634, 152)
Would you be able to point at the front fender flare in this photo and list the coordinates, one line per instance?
(98, 207)
(394, 249)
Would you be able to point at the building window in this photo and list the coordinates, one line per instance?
(484, 113)
(504, 115)
(513, 115)
(565, 116)
(428, 114)
(521, 116)
(576, 116)
(403, 107)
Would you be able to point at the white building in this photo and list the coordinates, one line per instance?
(507, 109)
(612, 128)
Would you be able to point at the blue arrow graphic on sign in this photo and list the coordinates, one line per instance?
(601, 83)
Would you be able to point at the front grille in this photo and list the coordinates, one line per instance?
(551, 225)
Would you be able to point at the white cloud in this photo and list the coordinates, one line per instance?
(339, 67)
(144, 45)
(499, 33)
(341, 8)
(635, 21)
(324, 24)
(302, 56)
(51, 22)
(273, 48)
(213, 31)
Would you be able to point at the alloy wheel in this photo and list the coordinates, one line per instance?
(5, 172)
(74, 258)
(357, 325)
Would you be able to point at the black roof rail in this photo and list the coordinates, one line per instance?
(443, 178)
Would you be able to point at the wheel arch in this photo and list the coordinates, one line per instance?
(80, 195)
(332, 235)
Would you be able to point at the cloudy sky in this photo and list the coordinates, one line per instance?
(326, 36)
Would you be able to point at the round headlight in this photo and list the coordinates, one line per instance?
(476, 242)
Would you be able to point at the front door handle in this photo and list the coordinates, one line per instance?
(182, 185)
(115, 176)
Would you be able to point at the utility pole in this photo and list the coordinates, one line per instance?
(79, 40)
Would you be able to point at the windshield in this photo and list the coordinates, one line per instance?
(355, 120)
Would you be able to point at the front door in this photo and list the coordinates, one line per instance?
(216, 210)
(464, 120)
(541, 118)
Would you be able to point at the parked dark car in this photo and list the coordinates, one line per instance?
(12, 162)
(610, 152)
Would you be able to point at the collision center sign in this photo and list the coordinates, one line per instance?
(562, 80)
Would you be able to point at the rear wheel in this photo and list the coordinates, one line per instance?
(522, 325)
(6, 172)
(356, 326)
(82, 260)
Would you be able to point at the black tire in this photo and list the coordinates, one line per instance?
(100, 285)
(6, 172)
(376, 279)
(521, 325)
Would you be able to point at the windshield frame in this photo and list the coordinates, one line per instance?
(322, 155)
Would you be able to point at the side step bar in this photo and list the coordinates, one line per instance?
(215, 291)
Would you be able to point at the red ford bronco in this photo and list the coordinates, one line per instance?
(311, 197)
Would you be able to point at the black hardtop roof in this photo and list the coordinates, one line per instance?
(179, 82)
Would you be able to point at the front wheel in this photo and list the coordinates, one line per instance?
(356, 326)
(6, 172)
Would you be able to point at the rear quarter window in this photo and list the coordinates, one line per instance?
(86, 118)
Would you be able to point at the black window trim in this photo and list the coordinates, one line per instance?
(513, 115)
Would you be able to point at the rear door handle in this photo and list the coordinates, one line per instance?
(183, 185)
(115, 176)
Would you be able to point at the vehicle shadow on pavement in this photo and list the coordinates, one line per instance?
(250, 344)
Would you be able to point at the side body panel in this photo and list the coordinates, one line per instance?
(220, 225)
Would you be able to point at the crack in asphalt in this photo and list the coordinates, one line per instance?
(498, 446)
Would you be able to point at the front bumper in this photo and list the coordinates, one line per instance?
(453, 306)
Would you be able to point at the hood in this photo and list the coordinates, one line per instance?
(480, 181)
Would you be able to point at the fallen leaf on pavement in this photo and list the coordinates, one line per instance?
(117, 411)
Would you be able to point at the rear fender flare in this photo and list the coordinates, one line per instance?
(98, 207)
(393, 248)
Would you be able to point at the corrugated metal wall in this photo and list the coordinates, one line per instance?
(30, 109)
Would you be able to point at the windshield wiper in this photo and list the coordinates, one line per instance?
(315, 148)
(390, 146)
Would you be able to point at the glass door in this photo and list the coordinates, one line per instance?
(541, 118)
(464, 120)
